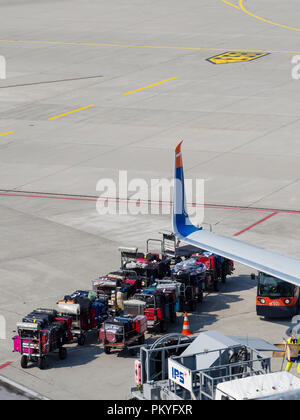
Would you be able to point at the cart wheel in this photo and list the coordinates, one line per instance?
(41, 363)
(216, 286)
(81, 340)
(141, 340)
(200, 297)
(162, 327)
(62, 353)
(223, 276)
(107, 350)
(24, 362)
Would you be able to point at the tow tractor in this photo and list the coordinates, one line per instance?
(275, 298)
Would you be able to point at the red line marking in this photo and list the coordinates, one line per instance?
(257, 223)
(5, 365)
(207, 206)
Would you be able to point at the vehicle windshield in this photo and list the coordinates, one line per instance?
(272, 287)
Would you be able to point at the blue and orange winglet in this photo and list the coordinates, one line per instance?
(181, 222)
(178, 155)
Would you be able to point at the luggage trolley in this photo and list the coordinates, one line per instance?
(121, 332)
(34, 343)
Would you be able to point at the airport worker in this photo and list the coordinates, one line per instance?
(291, 360)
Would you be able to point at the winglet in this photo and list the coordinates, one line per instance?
(182, 225)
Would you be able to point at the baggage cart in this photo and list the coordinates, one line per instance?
(120, 333)
(34, 343)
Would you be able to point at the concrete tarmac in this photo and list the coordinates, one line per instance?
(96, 87)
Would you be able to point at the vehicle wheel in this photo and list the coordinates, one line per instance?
(24, 362)
(141, 340)
(41, 363)
(162, 327)
(107, 350)
(62, 353)
(81, 340)
(223, 277)
(216, 286)
(200, 297)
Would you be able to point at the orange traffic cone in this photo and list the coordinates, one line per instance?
(186, 326)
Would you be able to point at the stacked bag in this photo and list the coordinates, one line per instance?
(53, 330)
(86, 310)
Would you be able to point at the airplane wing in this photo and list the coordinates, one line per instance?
(261, 259)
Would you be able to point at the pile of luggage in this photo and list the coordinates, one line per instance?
(157, 303)
(123, 331)
(149, 267)
(115, 288)
(143, 295)
(41, 332)
(87, 311)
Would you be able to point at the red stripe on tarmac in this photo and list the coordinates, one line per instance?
(149, 202)
(5, 365)
(257, 223)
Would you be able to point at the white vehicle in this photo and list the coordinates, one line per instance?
(257, 387)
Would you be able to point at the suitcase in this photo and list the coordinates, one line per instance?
(134, 307)
(38, 318)
(82, 293)
(68, 308)
(150, 314)
(67, 320)
(140, 324)
(51, 312)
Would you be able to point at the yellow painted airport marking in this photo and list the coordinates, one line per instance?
(230, 4)
(146, 87)
(71, 112)
(235, 57)
(265, 20)
(6, 134)
(166, 47)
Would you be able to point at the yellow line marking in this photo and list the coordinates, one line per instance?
(146, 87)
(265, 20)
(230, 4)
(71, 112)
(166, 47)
(5, 134)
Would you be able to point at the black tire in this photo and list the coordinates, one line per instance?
(141, 340)
(63, 353)
(41, 363)
(107, 350)
(81, 340)
(223, 276)
(162, 326)
(24, 362)
(200, 297)
(216, 286)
